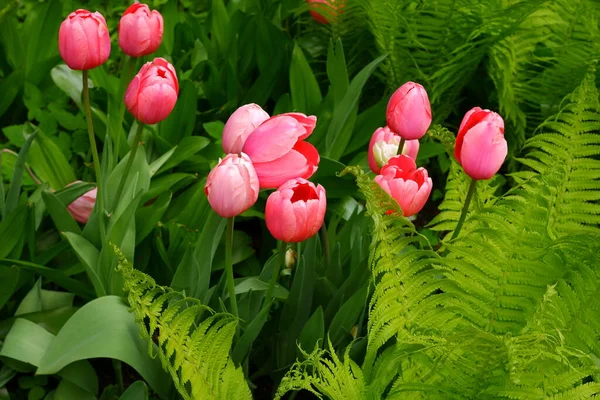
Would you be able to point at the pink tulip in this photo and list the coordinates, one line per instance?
(409, 186)
(81, 208)
(232, 186)
(480, 145)
(384, 145)
(83, 40)
(295, 211)
(321, 10)
(140, 30)
(152, 94)
(278, 150)
(409, 112)
(240, 125)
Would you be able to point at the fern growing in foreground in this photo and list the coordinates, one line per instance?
(509, 309)
(193, 350)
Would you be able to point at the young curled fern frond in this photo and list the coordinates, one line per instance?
(193, 342)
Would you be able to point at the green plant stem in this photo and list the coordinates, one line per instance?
(132, 154)
(401, 146)
(125, 78)
(325, 242)
(95, 157)
(229, 266)
(465, 209)
(275, 275)
(118, 374)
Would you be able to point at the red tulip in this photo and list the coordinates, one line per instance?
(480, 145)
(384, 145)
(83, 40)
(323, 10)
(232, 186)
(296, 210)
(152, 94)
(278, 150)
(240, 125)
(409, 186)
(140, 30)
(81, 208)
(409, 112)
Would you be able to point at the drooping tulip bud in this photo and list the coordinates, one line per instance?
(278, 150)
(232, 186)
(404, 182)
(152, 94)
(384, 145)
(296, 210)
(480, 145)
(140, 30)
(81, 208)
(240, 125)
(409, 112)
(83, 40)
(323, 10)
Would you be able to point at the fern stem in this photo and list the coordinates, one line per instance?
(465, 209)
(229, 266)
(275, 275)
(132, 154)
(95, 157)
(118, 375)
(401, 146)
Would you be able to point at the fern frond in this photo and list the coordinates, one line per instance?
(193, 349)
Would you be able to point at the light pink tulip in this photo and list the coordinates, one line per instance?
(321, 10)
(83, 40)
(296, 210)
(480, 145)
(409, 186)
(81, 208)
(240, 125)
(384, 145)
(409, 112)
(232, 186)
(140, 30)
(152, 94)
(278, 151)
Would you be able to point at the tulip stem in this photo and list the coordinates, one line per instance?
(229, 266)
(132, 154)
(275, 274)
(118, 374)
(465, 209)
(95, 157)
(401, 146)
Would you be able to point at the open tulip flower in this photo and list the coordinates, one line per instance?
(408, 112)
(296, 210)
(278, 150)
(408, 185)
(152, 94)
(140, 30)
(240, 125)
(480, 145)
(82, 207)
(384, 145)
(83, 40)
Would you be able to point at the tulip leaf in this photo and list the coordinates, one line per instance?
(89, 256)
(313, 331)
(42, 25)
(147, 217)
(26, 342)
(136, 391)
(10, 86)
(70, 82)
(72, 192)
(336, 70)
(304, 88)
(242, 347)
(182, 120)
(59, 213)
(12, 229)
(49, 162)
(9, 280)
(186, 148)
(12, 197)
(347, 315)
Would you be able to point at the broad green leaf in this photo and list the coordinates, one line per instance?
(168, 182)
(6, 375)
(137, 391)
(254, 284)
(190, 277)
(186, 148)
(38, 299)
(26, 342)
(219, 25)
(42, 26)
(69, 391)
(346, 317)
(50, 320)
(242, 347)
(214, 129)
(12, 198)
(12, 230)
(180, 123)
(137, 181)
(147, 217)
(367, 123)
(336, 70)
(10, 86)
(49, 163)
(89, 256)
(9, 280)
(313, 331)
(70, 193)
(62, 218)
(81, 374)
(304, 88)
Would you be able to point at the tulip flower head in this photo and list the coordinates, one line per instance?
(323, 10)
(81, 208)
(480, 145)
(83, 40)
(140, 30)
(404, 182)
(152, 94)
(232, 186)
(296, 210)
(278, 150)
(409, 112)
(384, 145)
(240, 125)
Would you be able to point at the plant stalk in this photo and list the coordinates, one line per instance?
(401, 146)
(229, 266)
(275, 275)
(465, 209)
(95, 157)
(132, 154)
(118, 375)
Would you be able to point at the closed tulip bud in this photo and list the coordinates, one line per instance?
(232, 186)
(409, 112)
(291, 256)
(324, 10)
(384, 145)
(296, 210)
(81, 208)
(406, 184)
(152, 94)
(140, 30)
(480, 145)
(278, 150)
(240, 125)
(83, 40)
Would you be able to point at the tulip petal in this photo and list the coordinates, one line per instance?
(300, 162)
(484, 150)
(273, 139)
